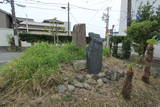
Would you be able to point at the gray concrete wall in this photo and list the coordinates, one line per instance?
(5, 20)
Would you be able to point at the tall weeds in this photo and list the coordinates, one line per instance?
(38, 67)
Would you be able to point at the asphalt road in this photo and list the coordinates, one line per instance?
(7, 56)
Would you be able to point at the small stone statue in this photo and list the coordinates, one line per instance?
(94, 54)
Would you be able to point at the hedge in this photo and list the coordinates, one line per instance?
(31, 38)
(126, 49)
(117, 39)
(126, 46)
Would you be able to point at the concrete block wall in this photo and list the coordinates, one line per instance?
(4, 32)
(4, 40)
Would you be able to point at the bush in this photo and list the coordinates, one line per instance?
(140, 32)
(126, 49)
(117, 39)
(114, 51)
(137, 59)
(43, 38)
(39, 63)
(31, 38)
(106, 52)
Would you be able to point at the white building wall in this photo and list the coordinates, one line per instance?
(4, 32)
(123, 18)
(4, 38)
(157, 51)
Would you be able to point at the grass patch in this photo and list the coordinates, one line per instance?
(67, 97)
(1, 66)
(106, 52)
(55, 101)
(38, 67)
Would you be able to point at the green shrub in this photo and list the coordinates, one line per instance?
(32, 38)
(139, 33)
(43, 38)
(106, 52)
(115, 51)
(126, 49)
(117, 39)
(39, 63)
(137, 59)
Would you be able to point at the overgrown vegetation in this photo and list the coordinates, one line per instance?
(106, 52)
(139, 33)
(126, 46)
(145, 27)
(148, 58)
(115, 40)
(33, 38)
(54, 29)
(38, 68)
(126, 49)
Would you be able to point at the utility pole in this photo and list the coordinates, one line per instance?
(129, 11)
(13, 17)
(105, 17)
(68, 9)
(25, 6)
(68, 19)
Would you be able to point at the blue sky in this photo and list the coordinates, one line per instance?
(82, 11)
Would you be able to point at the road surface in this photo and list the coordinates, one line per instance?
(7, 56)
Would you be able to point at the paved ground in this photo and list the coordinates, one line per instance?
(6, 56)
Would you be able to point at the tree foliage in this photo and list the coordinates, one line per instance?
(153, 41)
(54, 29)
(146, 12)
(126, 46)
(146, 27)
(140, 32)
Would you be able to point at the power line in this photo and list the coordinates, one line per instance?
(95, 25)
(50, 3)
(88, 25)
(99, 2)
(84, 8)
(44, 8)
(74, 17)
(96, 13)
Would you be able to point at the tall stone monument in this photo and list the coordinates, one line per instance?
(94, 54)
(79, 34)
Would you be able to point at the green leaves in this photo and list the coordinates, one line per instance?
(145, 28)
(117, 39)
(140, 32)
(41, 61)
(153, 41)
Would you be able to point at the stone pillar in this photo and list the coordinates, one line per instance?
(79, 34)
(94, 54)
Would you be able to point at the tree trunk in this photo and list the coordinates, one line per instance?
(148, 61)
(127, 88)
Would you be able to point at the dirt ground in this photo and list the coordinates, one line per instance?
(108, 95)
